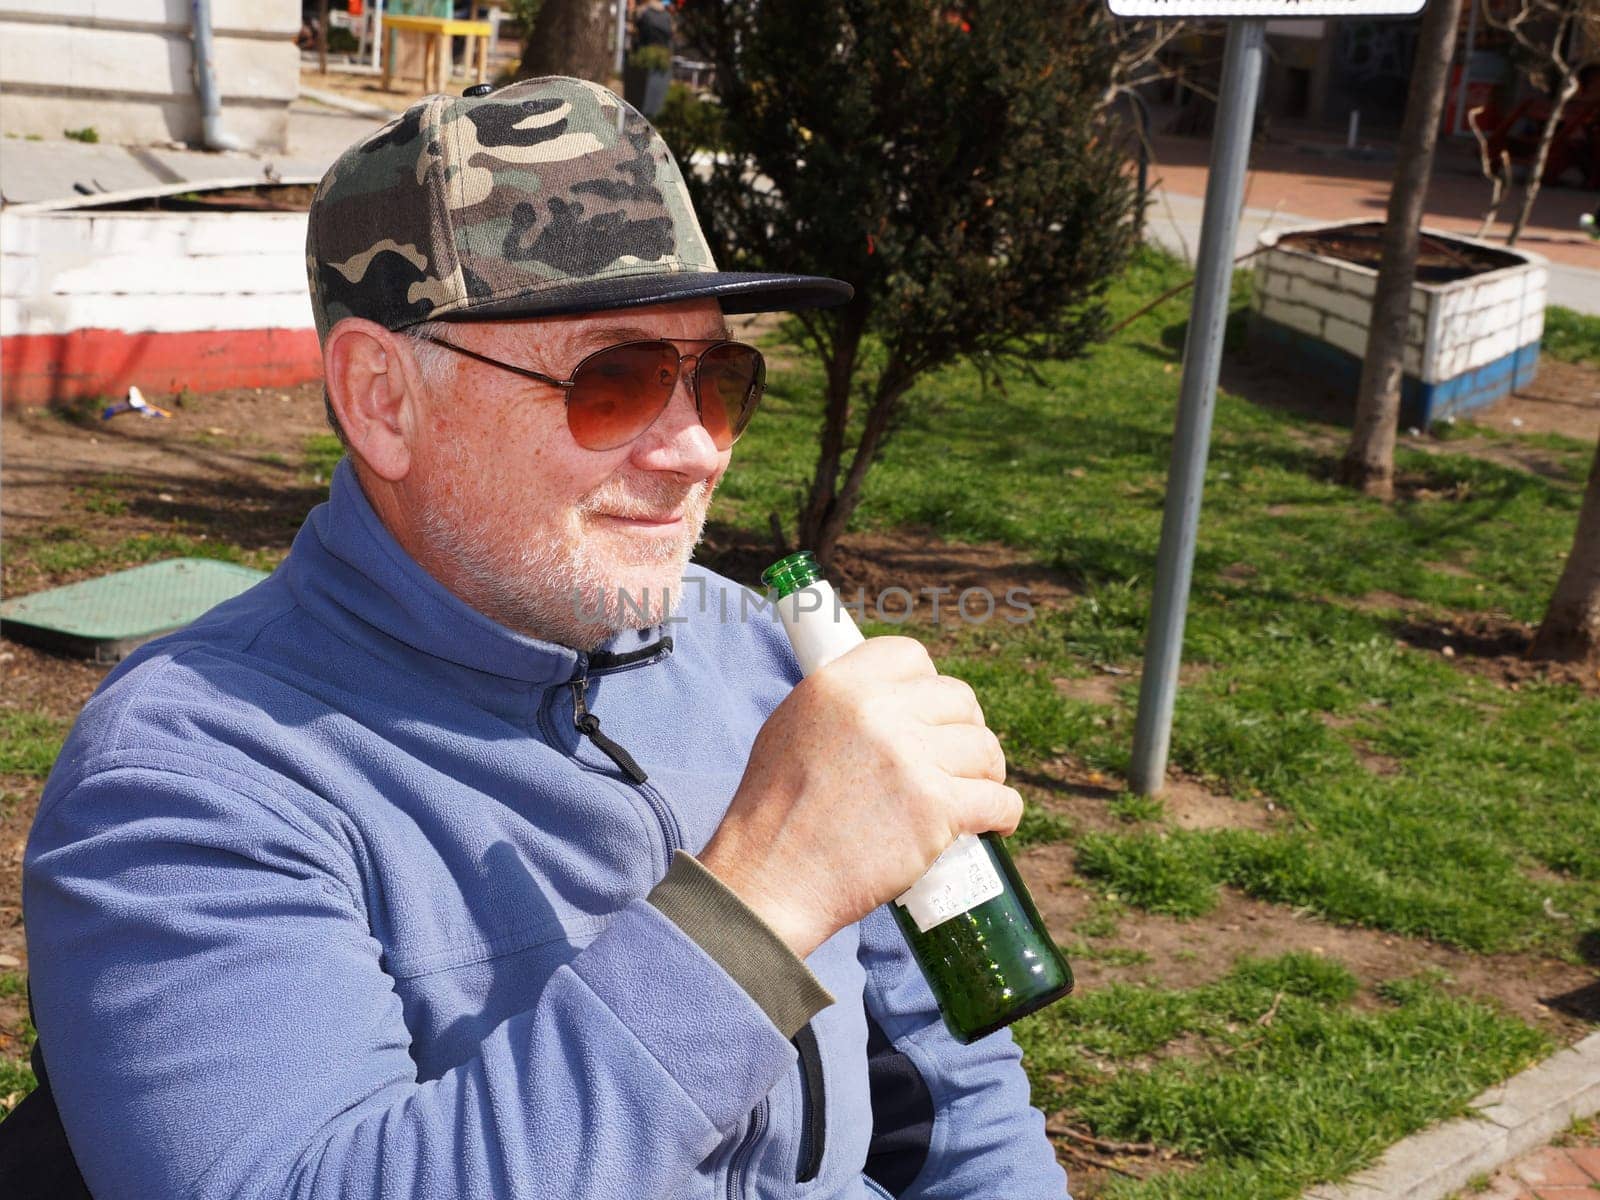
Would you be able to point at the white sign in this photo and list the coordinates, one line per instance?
(1173, 9)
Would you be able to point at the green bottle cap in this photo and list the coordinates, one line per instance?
(792, 572)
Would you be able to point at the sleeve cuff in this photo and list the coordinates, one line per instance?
(741, 943)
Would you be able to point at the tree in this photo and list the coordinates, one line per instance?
(1570, 631)
(1559, 41)
(1369, 461)
(568, 37)
(949, 161)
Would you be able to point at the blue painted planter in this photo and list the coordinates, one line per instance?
(1469, 341)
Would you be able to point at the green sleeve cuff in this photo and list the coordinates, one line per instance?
(741, 943)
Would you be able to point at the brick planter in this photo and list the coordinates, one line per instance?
(1469, 340)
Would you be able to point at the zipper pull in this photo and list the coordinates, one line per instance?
(588, 725)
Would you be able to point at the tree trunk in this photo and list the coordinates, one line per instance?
(1570, 631)
(570, 37)
(825, 538)
(1369, 461)
(1530, 193)
(824, 491)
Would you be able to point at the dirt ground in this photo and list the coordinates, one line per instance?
(231, 467)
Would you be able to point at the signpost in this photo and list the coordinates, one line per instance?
(1202, 351)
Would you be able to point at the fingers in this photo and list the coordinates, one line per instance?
(982, 806)
(941, 701)
(891, 659)
(969, 752)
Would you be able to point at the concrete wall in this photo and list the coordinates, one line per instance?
(126, 68)
(93, 301)
(1329, 300)
(152, 271)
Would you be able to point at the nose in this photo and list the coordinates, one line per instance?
(677, 441)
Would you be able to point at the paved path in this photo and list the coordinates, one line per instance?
(1521, 1120)
(1301, 183)
(56, 170)
(1174, 222)
(1569, 1171)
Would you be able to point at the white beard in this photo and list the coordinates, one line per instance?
(565, 588)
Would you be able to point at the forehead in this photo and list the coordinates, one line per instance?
(684, 319)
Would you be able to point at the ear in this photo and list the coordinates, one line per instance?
(376, 394)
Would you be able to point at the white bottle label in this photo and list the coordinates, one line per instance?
(820, 629)
(960, 879)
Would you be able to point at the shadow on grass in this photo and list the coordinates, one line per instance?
(1582, 1003)
(1486, 638)
(1589, 947)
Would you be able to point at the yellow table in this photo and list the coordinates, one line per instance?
(436, 55)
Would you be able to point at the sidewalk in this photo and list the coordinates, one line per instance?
(1296, 185)
(60, 170)
(1567, 1169)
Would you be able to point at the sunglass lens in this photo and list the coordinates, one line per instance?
(617, 393)
(731, 379)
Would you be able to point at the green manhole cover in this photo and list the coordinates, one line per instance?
(105, 618)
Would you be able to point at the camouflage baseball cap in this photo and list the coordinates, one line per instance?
(547, 196)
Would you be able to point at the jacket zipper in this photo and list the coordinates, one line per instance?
(588, 726)
(740, 1162)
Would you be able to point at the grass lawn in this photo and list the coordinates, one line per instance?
(1414, 795)
(1419, 797)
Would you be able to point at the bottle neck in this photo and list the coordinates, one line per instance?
(792, 573)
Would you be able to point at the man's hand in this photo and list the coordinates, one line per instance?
(856, 783)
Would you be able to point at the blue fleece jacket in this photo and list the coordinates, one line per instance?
(328, 895)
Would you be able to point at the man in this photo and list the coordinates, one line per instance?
(441, 864)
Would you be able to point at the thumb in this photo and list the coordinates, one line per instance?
(983, 806)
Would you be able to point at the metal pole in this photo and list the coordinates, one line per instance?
(322, 38)
(1461, 126)
(1202, 362)
(622, 34)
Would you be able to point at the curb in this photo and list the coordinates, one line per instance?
(1513, 1117)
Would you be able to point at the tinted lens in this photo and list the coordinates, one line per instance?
(730, 381)
(618, 392)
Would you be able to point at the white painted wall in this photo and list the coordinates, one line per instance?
(1453, 327)
(126, 67)
(139, 271)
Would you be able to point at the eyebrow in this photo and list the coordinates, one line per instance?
(611, 334)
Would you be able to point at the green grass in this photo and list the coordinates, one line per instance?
(323, 453)
(1571, 336)
(64, 550)
(29, 743)
(1488, 812)
(102, 496)
(1040, 826)
(1281, 1081)
(16, 1076)
(1417, 797)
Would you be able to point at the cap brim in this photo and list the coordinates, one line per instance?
(738, 292)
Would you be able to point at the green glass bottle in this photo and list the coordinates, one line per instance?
(970, 922)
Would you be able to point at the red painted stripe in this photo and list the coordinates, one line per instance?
(43, 368)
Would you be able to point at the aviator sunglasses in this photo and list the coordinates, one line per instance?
(615, 394)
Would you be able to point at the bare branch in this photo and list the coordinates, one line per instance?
(1497, 179)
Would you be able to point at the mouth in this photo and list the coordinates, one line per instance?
(644, 520)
